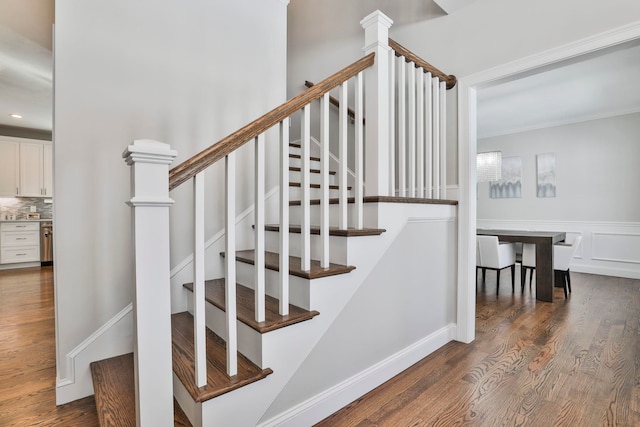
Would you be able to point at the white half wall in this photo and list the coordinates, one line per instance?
(404, 310)
(183, 74)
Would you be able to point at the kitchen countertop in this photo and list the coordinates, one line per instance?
(27, 220)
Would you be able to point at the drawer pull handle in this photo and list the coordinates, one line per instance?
(21, 238)
(21, 254)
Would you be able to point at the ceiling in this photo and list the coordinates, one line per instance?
(598, 85)
(592, 86)
(26, 63)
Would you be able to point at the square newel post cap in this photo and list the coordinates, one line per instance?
(376, 30)
(149, 161)
(149, 151)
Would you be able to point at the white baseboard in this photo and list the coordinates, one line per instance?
(606, 271)
(113, 338)
(324, 404)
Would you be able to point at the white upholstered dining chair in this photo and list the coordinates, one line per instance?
(493, 255)
(562, 256)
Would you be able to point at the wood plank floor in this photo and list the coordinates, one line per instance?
(27, 355)
(575, 362)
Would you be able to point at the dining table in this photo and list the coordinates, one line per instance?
(544, 241)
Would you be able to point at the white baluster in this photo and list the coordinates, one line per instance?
(436, 137)
(420, 131)
(259, 271)
(443, 140)
(305, 234)
(230, 264)
(359, 154)
(428, 133)
(199, 326)
(284, 218)
(402, 127)
(324, 180)
(392, 124)
(342, 153)
(411, 158)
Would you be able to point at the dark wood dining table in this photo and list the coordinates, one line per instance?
(544, 241)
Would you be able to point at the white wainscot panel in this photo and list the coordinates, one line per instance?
(617, 247)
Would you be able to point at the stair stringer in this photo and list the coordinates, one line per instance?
(285, 350)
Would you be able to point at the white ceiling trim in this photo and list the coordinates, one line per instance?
(515, 69)
(544, 125)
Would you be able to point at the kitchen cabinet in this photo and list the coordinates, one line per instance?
(9, 164)
(19, 242)
(35, 169)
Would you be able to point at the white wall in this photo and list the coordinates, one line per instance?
(182, 73)
(597, 185)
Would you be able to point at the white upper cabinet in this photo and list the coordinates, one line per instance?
(31, 169)
(9, 161)
(26, 168)
(47, 170)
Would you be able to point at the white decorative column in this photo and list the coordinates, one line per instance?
(150, 202)
(376, 35)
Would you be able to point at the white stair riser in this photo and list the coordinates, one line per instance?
(337, 246)
(316, 178)
(298, 286)
(249, 340)
(313, 164)
(369, 215)
(295, 193)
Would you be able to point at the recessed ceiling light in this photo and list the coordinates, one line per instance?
(16, 116)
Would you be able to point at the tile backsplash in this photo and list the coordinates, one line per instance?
(21, 206)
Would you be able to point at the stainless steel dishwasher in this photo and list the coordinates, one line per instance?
(46, 243)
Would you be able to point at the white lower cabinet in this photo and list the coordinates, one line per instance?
(19, 242)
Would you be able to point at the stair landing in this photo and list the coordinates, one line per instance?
(114, 387)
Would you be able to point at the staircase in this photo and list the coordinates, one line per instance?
(246, 339)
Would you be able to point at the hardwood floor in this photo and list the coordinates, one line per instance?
(27, 355)
(575, 362)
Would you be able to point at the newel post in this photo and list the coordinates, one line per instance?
(150, 202)
(376, 35)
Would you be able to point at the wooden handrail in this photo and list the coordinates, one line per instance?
(191, 167)
(412, 57)
(336, 103)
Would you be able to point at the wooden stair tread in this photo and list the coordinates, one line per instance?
(383, 199)
(331, 187)
(218, 382)
(114, 387)
(298, 156)
(297, 169)
(333, 231)
(215, 293)
(272, 262)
